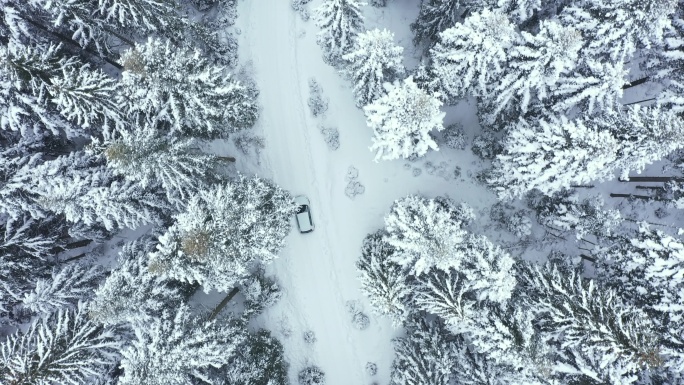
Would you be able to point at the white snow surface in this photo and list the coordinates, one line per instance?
(317, 270)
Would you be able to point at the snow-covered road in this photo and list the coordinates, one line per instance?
(317, 270)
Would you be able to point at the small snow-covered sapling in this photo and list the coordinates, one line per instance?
(310, 337)
(313, 375)
(371, 368)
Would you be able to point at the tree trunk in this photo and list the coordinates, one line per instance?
(640, 101)
(644, 197)
(74, 258)
(582, 186)
(636, 82)
(650, 187)
(227, 158)
(588, 258)
(653, 179)
(77, 244)
(120, 37)
(223, 303)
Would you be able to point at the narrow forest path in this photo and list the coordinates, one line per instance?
(317, 270)
(318, 278)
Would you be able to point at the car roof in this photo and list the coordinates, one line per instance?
(304, 222)
(301, 200)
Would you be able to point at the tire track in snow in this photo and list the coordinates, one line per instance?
(313, 295)
(327, 198)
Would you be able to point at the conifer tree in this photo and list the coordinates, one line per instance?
(176, 86)
(94, 24)
(565, 211)
(64, 347)
(435, 16)
(536, 64)
(340, 21)
(664, 65)
(383, 281)
(402, 120)
(225, 233)
(132, 294)
(374, 61)
(66, 287)
(644, 268)
(150, 158)
(425, 233)
(260, 361)
(424, 356)
(646, 135)
(552, 155)
(594, 86)
(470, 55)
(598, 336)
(24, 107)
(177, 349)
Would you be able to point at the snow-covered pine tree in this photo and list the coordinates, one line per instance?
(122, 204)
(472, 54)
(340, 21)
(506, 335)
(402, 120)
(645, 268)
(383, 281)
(261, 292)
(131, 294)
(177, 349)
(22, 106)
(149, 157)
(646, 135)
(614, 29)
(260, 361)
(435, 16)
(62, 83)
(424, 356)
(582, 151)
(552, 154)
(472, 367)
(27, 254)
(483, 275)
(224, 233)
(374, 61)
(664, 64)
(67, 286)
(61, 348)
(525, 13)
(427, 235)
(535, 65)
(25, 237)
(81, 188)
(597, 336)
(425, 232)
(62, 179)
(17, 277)
(94, 24)
(447, 295)
(178, 87)
(139, 17)
(596, 85)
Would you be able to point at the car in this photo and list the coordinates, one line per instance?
(303, 214)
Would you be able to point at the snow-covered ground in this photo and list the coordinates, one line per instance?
(317, 270)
